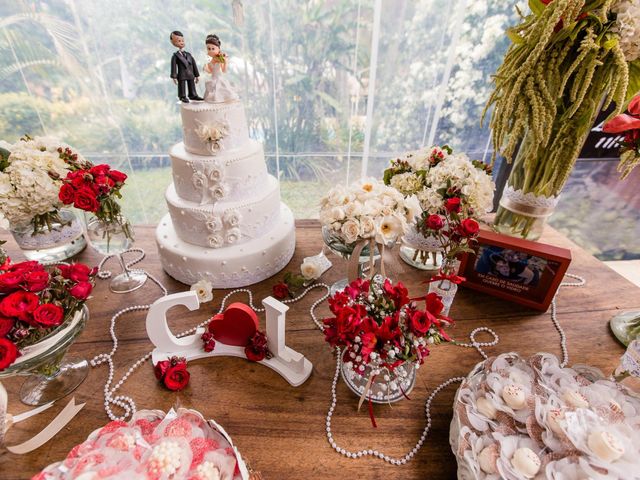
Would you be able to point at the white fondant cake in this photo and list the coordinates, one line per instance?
(226, 222)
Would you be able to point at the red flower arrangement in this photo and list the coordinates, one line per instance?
(34, 300)
(94, 188)
(173, 373)
(379, 324)
(255, 350)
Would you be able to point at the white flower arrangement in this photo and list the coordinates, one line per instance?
(30, 179)
(204, 289)
(212, 134)
(434, 174)
(366, 210)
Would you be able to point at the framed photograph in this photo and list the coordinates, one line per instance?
(521, 271)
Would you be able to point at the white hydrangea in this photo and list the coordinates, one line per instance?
(26, 188)
(406, 183)
(627, 26)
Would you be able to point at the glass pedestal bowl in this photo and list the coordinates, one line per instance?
(51, 375)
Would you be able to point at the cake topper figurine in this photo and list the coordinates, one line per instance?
(217, 88)
(183, 69)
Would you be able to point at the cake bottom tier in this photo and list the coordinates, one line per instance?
(228, 267)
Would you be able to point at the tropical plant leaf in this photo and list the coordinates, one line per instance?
(537, 7)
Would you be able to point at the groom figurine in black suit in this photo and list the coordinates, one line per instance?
(183, 69)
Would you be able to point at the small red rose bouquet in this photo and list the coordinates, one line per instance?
(35, 300)
(629, 124)
(377, 322)
(94, 189)
(173, 373)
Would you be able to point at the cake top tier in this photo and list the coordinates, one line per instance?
(211, 128)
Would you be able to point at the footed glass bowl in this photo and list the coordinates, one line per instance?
(337, 246)
(51, 376)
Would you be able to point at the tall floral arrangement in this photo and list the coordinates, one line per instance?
(568, 59)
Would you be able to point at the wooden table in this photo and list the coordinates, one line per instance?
(280, 430)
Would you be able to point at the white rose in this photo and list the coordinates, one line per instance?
(367, 227)
(233, 235)
(352, 209)
(372, 208)
(204, 290)
(215, 240)
(218, 191)
(337, 213)
(199, 180)
(232, 218)
(214, 224)
(310, 269)
(350, 231)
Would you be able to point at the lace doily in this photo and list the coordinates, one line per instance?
(528, 204)
(415, 239)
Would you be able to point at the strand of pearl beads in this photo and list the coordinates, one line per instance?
(126, 403)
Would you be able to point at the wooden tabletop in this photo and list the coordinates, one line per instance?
(280, 430)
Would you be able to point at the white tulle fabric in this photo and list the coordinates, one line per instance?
(563, 447)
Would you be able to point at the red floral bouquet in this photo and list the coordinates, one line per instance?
(94, 189)
(35, 300)
(173, 373)
(629, 124)
(378, 324)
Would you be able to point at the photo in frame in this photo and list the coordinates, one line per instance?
(521, 271)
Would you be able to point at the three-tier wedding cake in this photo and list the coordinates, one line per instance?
(226, 222)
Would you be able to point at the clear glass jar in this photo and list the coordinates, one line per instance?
(446, 288)
(51, 245)
(387, 386)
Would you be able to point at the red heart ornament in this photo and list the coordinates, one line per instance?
(235, 326)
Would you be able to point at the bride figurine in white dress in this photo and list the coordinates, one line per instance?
(217, 88)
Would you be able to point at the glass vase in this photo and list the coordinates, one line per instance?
(343, 250)
(113, 238)
(61, 241)
(51, 374)
(387, 386)
(446, 288)
(418, 251)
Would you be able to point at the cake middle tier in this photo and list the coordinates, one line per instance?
(227, 176)
(227, 222)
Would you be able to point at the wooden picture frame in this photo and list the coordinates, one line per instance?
(528, 273)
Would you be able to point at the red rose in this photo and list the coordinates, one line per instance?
(67, 194)
(161, 369)
(20, 305)
(36, 281)
(434, 222)
(469, 227)
(280, 291)
(102, 185)
(48, 315)
(10, 281)
(65, 270)
(176, 377)
(117, 176)
(79, 272)
(452, 205)
(80, 181)
(102, 169)
(420, 322)
(86, 200)
(6, 325)
(28, 266)
(8, 353)
(81, 290)
(254, 354)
